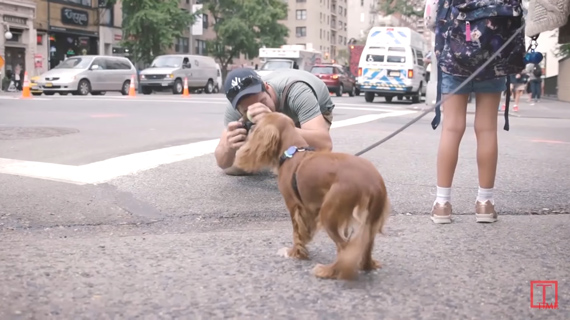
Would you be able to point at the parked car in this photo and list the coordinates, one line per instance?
(352, 79)
(167, 72)
(34, 87)
(81, 75)
(336, 79)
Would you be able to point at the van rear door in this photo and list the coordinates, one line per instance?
(386, 69)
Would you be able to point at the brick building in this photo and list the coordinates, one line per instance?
(18, 37)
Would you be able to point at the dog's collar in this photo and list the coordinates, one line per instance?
(290, 152)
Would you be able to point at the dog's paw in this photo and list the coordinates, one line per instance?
(370, 265)
(284, 252)
(295, 252)
(325, 271)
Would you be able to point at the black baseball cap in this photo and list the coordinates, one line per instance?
(241, 82)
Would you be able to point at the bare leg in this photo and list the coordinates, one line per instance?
(486, 133)
(454, 122)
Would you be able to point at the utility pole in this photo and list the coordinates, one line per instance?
(48, 35)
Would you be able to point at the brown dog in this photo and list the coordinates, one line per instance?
(341, 193)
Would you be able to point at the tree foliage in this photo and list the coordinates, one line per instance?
(563, 50)
(405, 7)
(150, 26)
(244, 26)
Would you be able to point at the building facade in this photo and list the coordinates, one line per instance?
(66, 28)
(361, 16)
(18, 37)
(110, 31)
(320, 24)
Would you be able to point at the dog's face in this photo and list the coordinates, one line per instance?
(263, 145)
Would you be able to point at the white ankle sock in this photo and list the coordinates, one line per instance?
(485, 195)
(443, 195)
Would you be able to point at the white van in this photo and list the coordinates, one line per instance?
(167, 72)
(391, 64)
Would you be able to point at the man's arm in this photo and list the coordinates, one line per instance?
(314, 128)
(224, 154)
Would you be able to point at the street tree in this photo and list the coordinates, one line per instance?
(244, 26)
(150, 26)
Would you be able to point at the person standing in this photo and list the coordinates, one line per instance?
(535, 81)
(519, 82)
(458, 58)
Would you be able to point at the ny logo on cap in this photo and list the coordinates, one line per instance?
(236, 83)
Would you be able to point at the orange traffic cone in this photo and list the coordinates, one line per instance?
(26, 87)
(132, 87)
(186, 92)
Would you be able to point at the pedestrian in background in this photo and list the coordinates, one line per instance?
(490, 28)
(519, 83)
(534, 72)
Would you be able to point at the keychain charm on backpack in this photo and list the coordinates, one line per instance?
(532, 56)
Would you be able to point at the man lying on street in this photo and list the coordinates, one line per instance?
(307, 102)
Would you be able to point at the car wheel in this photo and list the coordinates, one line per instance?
(357, 92)
(209, 87)
(146, 90)
(416, 98)
(126, 87)
(340, 90)
(352, 92)
(178, 87)
(84, 87)
(216, 89)
(369, 96)
(388, 98)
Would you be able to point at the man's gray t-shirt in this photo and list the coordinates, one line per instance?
(302, 104)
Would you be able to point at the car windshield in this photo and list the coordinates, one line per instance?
(274, 65)
(166, 62)
(75, 63)
(322, 70)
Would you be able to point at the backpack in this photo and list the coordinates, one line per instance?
(537, 72)
(468, 32)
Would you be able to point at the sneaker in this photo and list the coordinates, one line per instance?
(516, 108)
(441, 213)
(485, 212)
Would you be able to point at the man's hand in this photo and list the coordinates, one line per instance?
(257, 111)
(235, 137)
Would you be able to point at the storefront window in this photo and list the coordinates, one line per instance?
(63, 46)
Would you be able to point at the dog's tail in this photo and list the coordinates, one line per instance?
(350, 257)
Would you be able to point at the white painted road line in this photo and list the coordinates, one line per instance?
(106, 170)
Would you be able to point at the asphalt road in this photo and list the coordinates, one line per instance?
(113, 208)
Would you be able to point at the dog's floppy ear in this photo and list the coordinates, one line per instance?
(261, 149)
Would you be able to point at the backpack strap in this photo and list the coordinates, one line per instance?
(284, 95)
(437, 119)
(508, 97)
